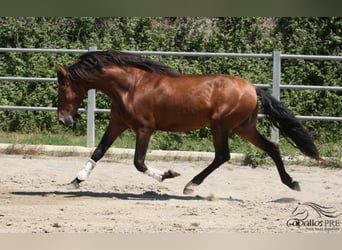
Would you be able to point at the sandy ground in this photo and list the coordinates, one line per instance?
(118, 199)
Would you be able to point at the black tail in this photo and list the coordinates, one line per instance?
(288, 125)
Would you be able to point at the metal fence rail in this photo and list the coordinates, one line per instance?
(91, 109)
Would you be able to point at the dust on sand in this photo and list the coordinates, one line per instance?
(117, 198)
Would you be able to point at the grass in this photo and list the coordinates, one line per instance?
(183, 142)
(43, 138)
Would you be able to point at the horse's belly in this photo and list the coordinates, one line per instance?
(179, 122)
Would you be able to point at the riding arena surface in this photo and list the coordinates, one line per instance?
(116, 198)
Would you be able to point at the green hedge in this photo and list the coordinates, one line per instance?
(320, 36)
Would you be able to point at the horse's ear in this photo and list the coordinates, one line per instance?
(61, 70)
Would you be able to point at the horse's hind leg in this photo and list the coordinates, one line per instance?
(220, 140)
(252, 135)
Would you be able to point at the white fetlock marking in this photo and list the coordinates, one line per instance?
(155, 173)
(88, 167)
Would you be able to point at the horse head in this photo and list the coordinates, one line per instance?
(70, 97)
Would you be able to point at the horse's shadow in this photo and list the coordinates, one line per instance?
(148, 195)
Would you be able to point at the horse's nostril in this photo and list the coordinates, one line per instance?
(66, 120)
(61, 121)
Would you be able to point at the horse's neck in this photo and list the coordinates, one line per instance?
(114, 80)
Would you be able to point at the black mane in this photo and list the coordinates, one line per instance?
(89, 65)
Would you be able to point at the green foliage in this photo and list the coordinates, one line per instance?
(254, 157)
(229, 34)
(179, 141)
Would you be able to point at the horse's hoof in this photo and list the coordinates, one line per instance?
(75, 184)
(170, 174)
(295, 186)
(189, 188)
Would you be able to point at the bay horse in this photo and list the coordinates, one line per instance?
(147, 95)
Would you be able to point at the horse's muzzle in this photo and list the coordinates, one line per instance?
(66, 120)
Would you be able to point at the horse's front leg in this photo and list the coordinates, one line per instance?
(142, 139)
(114, 129)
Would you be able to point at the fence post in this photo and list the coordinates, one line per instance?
(91, 113)
(276, 88)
